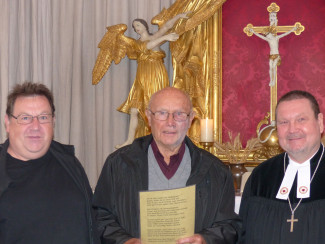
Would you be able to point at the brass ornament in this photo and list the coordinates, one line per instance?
(273, 8)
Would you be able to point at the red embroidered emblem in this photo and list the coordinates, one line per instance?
(284, 190)
(303, 189)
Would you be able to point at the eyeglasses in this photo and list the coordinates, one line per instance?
(25, 119)
(163, 115)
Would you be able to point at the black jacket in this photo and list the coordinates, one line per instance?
(64, 154)
(125, 173)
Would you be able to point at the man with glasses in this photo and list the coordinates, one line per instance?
(45, 196)
(167, 159)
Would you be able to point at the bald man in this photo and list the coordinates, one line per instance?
(166, 159)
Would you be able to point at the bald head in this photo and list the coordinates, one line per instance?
(170, 92)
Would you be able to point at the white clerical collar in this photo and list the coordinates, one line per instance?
(303, 179)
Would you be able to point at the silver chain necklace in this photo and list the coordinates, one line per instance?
(292, 219)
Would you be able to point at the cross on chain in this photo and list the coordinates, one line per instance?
(292, 220)
(274, 29)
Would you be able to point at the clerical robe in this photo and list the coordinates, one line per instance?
(265, 218)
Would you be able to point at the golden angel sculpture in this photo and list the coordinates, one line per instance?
(151, 73)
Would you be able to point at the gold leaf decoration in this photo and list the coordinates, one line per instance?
(234, 151)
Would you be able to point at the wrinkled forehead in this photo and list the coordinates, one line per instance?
(294, 106)
(22, 102)
(171, 100)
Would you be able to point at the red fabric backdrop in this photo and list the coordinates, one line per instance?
(246, 93)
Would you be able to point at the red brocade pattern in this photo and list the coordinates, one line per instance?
(246, 91)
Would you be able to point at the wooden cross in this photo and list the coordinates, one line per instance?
(292, 220)
(274, 29)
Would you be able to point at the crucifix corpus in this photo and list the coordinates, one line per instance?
(269, 34)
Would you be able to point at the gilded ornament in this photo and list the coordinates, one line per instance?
(273, 8)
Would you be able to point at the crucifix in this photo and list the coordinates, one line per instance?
(292, 220)
(270, 35)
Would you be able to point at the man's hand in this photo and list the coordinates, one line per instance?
(133, 241)
(195, 239)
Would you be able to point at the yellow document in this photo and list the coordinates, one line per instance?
(166, 216)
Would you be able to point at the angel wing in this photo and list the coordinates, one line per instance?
(113, 47)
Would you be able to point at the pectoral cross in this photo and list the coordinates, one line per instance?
(273, 43)
(292, 220)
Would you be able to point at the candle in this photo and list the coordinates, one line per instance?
(206, 130)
